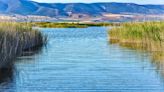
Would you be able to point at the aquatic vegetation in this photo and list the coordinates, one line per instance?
(15, 38)
(146, 35)
(143, 36)
(69, 24)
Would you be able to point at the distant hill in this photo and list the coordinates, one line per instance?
(27, 7)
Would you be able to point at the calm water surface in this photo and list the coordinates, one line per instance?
(82, 60)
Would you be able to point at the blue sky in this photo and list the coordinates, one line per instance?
(90, 1)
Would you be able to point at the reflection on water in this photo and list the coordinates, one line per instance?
(82, 60)
(156, 54)
(6, 74)
(157, 58)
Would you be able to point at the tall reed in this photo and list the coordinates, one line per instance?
(146, 35)
(15, 38)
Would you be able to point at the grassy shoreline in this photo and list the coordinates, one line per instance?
(148, 34)
(144, 36)
(69, 24)
(15, 38)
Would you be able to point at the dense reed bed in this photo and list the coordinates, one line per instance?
(69, 24)
(15, 38)
(147, 36)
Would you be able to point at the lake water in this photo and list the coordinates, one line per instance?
(82, 60)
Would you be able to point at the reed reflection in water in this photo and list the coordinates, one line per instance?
(156, 54)
(9, 71)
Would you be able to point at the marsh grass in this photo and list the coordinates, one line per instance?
(69, 24)
(148, 34)
(145, 36)
(15, 38)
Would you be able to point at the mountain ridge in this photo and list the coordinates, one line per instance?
(28, 7)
